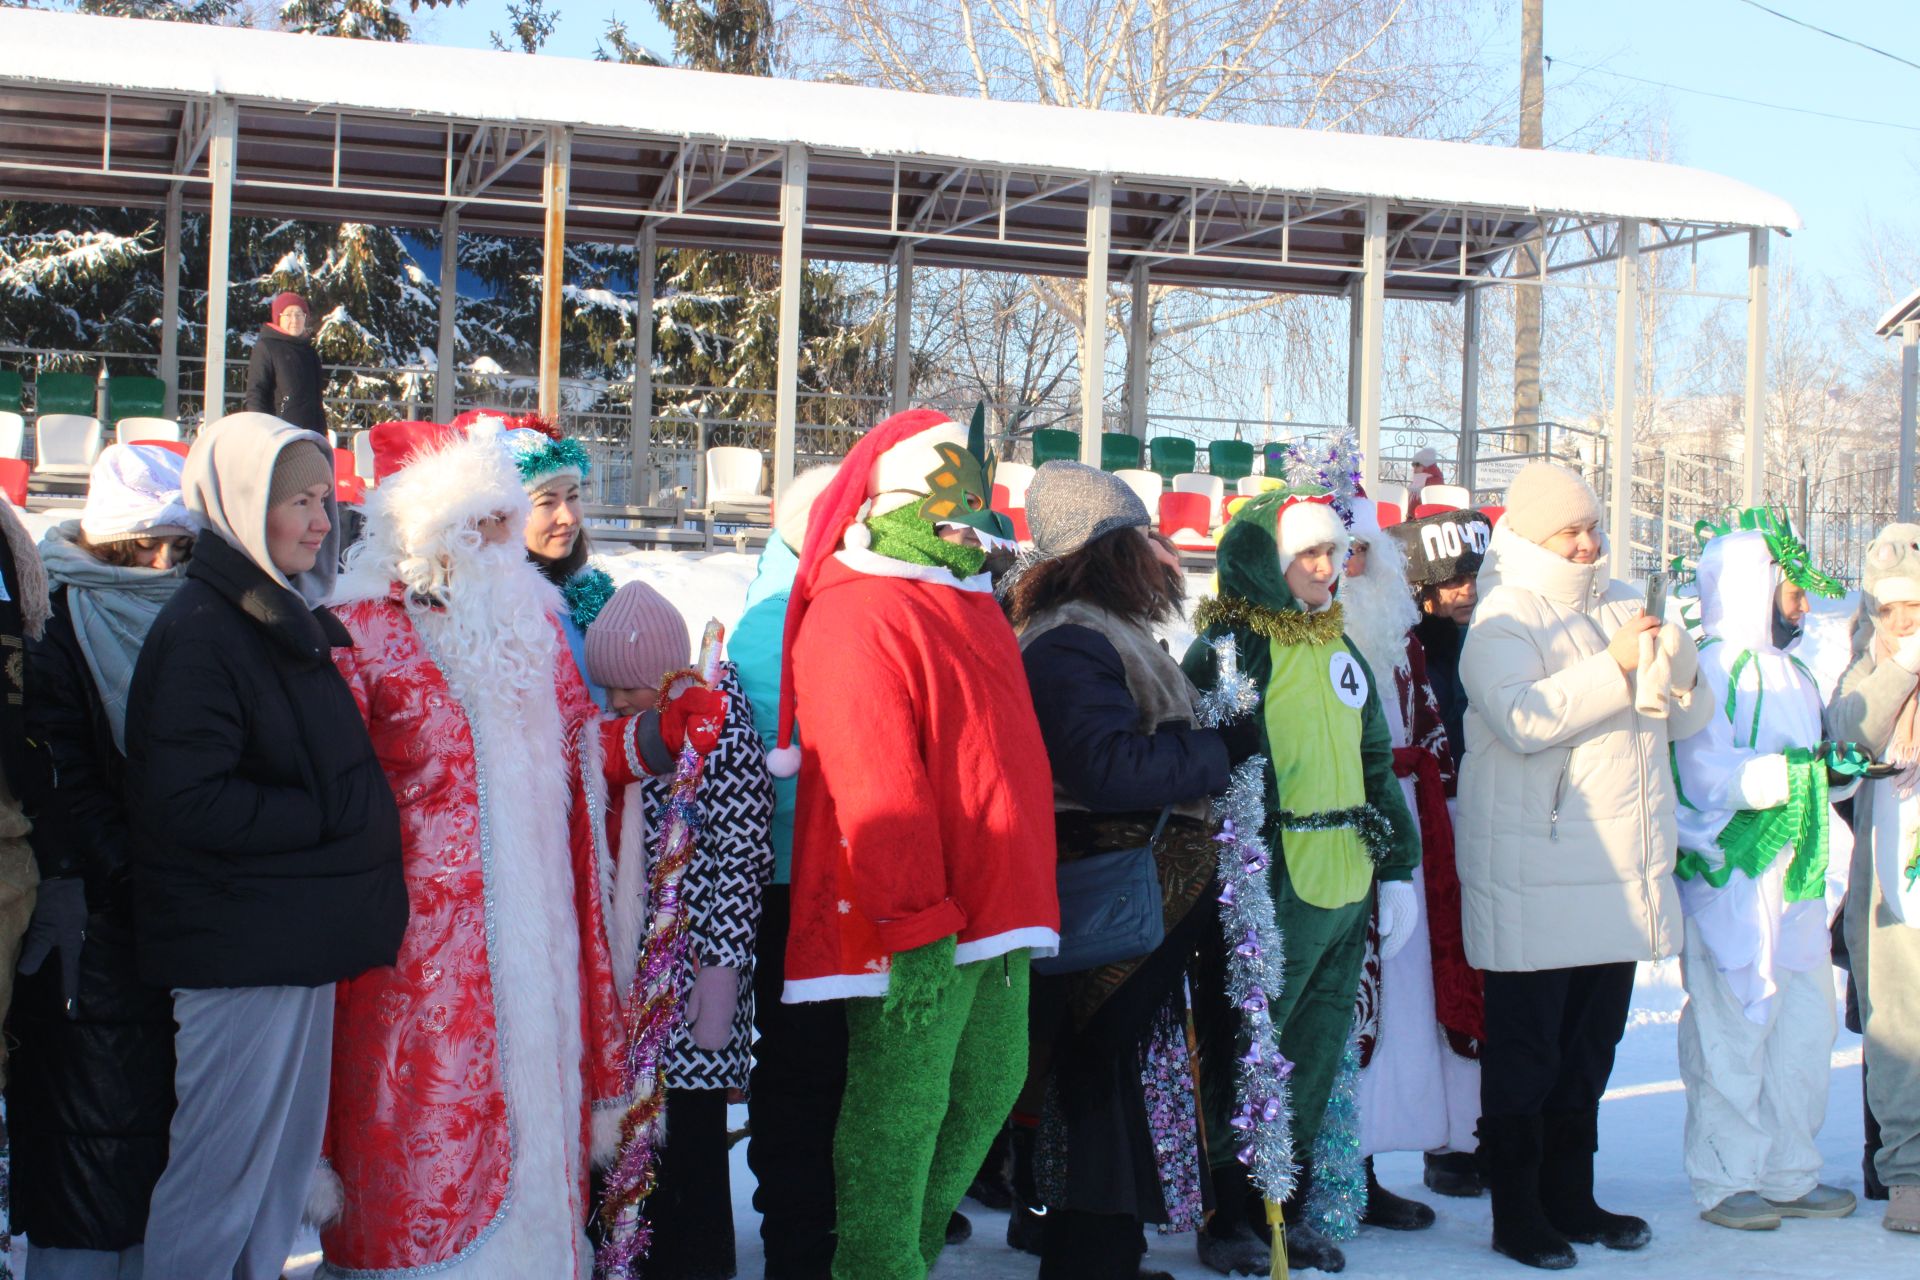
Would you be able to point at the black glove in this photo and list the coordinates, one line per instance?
(1242, 738)
(59, 923)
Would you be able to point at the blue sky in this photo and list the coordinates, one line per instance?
(1836, 173)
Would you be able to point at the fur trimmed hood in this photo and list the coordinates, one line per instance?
(416, 513)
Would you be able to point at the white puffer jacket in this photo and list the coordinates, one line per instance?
(1566, 831)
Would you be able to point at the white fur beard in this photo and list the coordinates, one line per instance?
(1379, 611)
(493, 635)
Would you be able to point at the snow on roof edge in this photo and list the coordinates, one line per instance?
(1901, 311)
(442, 82)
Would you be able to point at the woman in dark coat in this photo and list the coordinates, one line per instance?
(266, 858)
(1117, 716)
(284, 377)
(91, 1091)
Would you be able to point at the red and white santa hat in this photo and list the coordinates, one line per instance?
(878, 470)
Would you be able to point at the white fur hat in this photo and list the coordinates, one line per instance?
(462, 481)
(1309, 522)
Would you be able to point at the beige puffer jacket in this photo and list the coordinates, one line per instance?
(1565, 834)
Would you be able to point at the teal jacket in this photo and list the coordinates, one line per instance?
(756, 658)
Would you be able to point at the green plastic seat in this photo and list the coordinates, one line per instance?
(1172, 456)
(1230, 459)
(1053, 445)
(1276, 456)
(135, 396)
(11, 390)
(1119, 451)
(64, 393)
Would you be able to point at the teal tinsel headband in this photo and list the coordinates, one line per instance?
(550, 458)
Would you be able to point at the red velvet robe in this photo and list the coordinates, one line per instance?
(417, 1127)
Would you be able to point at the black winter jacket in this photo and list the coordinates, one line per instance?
(89, 1097)
(1088, 720)
(284, 379)
(266, 849)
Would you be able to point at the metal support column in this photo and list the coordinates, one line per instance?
(1373, 316)
(220, 159)
(446, 359)
(1469, 389)
(1356, 326)
(553, 267)
(903, 327)
(1754, 460)
(170, 305)
(1909, 415)
(640, 490)
(1093, 325)
(1626, 347)
(786, 410)
(1139, 352)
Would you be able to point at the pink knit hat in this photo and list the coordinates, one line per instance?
(638, 638)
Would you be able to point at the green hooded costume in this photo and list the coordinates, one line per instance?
(1336, 818)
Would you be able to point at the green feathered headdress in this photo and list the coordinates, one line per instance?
(1791, 554)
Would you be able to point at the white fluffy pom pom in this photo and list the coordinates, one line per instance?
(325, 1197)
(783, 762)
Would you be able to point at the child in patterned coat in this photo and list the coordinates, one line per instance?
(637, 641)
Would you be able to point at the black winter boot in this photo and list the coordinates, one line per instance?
(1308, 1248)
(1391, 1212)
(1566, 1185)
(1876, 1189)
(1452, 1173)
(1026, 1228)
(1229, 1243)
(1510, 1154)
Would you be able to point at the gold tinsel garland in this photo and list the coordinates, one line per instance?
(1287, 626)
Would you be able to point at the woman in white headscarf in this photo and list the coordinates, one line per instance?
(91, 1090)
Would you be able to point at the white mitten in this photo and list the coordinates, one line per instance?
(710, 1006)
(1399, 912)
(1907, 653)
(1684, 656)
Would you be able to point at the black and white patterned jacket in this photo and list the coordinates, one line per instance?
(732, 862)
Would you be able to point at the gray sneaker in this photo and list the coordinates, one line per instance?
(1821, 1202)
(1744, 1211)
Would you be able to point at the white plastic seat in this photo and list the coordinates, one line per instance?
(65, 444)
(1211, 487)
(13, 435)
(1388, 491)
(1147, 484)
(734, 475)
(1254, 486)
(1015, 476)
(363, 455)
(127, 430)
(1446, 495)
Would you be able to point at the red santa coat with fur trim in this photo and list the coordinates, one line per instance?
(417, 1126)
(925, 802)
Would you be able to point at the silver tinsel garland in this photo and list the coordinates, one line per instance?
(1233, 694)
(1263, 1120)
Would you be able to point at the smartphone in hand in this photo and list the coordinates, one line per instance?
(1658, 584)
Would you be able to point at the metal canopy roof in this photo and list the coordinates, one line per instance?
(115, 111)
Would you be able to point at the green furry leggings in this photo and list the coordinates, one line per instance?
(921, 1108)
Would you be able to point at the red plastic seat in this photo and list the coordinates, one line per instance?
(1493, 513)
(1185, 511)
(1019, 517)
(1389, 514)
(171, 446)
(1426, 509)
(13, 480)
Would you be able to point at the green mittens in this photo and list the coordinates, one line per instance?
(919, 980)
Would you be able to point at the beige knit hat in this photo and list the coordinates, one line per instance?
(637, 639)
(300, 466)
(1545, 498)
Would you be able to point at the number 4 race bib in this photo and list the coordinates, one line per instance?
(1349, 680)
